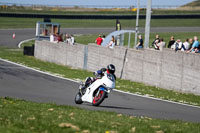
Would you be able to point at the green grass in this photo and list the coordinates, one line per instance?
(19, 116)
(84, 11)
(6, 23)
(77, 74)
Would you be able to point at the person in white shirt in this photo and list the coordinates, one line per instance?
(178, 45)
(186, 45)
(111, 44)
(161, 44)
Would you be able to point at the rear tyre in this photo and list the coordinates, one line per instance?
(97, 100)
(78, 99)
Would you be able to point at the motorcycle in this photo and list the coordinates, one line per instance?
(97, 91)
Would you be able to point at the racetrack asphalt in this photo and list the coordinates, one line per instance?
(23, 83)
(23, 34)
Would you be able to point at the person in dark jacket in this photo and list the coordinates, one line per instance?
(171, 42)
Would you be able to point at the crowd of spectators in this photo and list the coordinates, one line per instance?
(188, 45)
(67, 38)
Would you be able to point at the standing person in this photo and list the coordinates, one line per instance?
(99, 40)
(103, 37)
(155, 42)
(52, 36)
(72, 40)
(140, 42)
(171, 42)
(195, 46)
(186, 45)
(118, 25)
(161, 44)
(191, 42)
(111, 44)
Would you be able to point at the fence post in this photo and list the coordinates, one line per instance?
(85, 57)
(124, 61)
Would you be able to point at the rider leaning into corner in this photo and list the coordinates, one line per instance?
(99, 74)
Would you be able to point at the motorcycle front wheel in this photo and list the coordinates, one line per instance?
(98, 99)
(78, 99)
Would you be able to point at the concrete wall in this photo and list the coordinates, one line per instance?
(60, 53)
(167, 69)
(177, 71)
(99, 57)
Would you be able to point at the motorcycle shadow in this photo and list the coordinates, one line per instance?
(113, 107)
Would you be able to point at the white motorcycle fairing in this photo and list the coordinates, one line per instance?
(107, 83)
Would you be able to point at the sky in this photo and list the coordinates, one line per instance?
(98, 2)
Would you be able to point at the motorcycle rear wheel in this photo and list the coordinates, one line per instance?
(97, 100)
(78, 99)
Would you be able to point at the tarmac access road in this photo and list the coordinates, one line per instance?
(6, 35)
(23, 83)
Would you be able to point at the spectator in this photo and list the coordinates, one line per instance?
(103, 37)
(178, 45)
(161, 44)
(56, 37)
(118, 25)
(111, 44)
(186, 45)
(155, 42)
(191, 42)
(140, 42)
(72, 40)
(67, 38)
(171, 42)
(52, 37)
(60, 38)
(99, 40)
(195, 46)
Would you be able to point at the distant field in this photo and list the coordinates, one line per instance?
(6, 23)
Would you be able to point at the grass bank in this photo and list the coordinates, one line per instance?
(30, 117)
(6, 23)
(77, 74)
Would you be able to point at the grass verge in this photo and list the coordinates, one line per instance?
(6, 22)
(23, 116)
(124, 85)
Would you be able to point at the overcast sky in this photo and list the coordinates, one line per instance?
(98, 2)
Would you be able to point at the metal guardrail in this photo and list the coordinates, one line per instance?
(191, 16)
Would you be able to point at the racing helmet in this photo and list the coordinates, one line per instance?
(111, 68)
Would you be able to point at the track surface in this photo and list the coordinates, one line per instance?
(23, 34)
(23, 83)
(20, 82)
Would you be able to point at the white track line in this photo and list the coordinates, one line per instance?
(53, 75)
(19, 45)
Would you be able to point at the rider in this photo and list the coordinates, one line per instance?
(99, 74)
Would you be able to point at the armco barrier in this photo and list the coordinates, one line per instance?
(167, 69)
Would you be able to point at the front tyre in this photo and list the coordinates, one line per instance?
(98, 99)
(78, 99)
